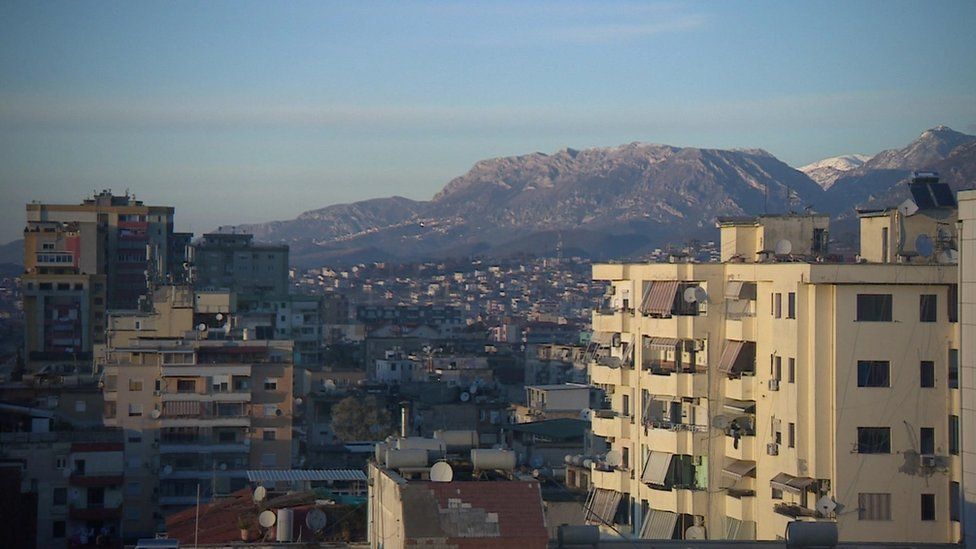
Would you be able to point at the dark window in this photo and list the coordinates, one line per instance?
(953, 368)
(954, 435)
(80, 466)
(874, 307)
(872, 373)
(57, 529)
(874, 440)
(954, 501)
(269, 434)
(186, 386)
(927, 441)
(791, 435)
(776, 493)
(64, 286)
(926, 373)
(792, 370)
(952, 305)
(778, 305)
(45, 285)
(60, 496)
(927, 308)
(778, 368)
(928, 506)
(791, 305)
(874, 506)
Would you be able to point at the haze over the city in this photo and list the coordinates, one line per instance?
(242, 112)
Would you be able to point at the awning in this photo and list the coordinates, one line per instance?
(739, 468)
(659, 298)
(602, 338)
(312, 475)
(659, 524)
(181, 408)
(662, 343)
(739, 289)
(656, 467)
(739, 529)
(789, 483)
(603, 506)
(628, 352)
(740, 407)
(729, 356)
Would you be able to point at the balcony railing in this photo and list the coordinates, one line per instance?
(793, 510)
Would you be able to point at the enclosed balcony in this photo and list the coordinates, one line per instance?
(607, 423)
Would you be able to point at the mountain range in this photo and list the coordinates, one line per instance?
(609, 203)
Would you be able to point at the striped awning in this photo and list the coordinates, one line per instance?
(738, 468)
(602, 338)
(603, 506)
(181, 408)
(662, 343)
(659, 297)
(737, 356)
(789, 483)
(659, 524)
(313, 475)
(656, 467)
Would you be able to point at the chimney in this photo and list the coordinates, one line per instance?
(405, 418)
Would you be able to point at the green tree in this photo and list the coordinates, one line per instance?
(355, 418)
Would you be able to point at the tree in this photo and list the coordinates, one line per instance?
(354, 418)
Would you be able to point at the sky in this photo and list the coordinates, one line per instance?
(238, 112)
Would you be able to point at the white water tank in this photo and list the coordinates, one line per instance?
(414, 457)
(421, 443)
(463, 440)
(486, 460)
(284, 524)
(380, 449)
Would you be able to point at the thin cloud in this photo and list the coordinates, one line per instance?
(627, 31)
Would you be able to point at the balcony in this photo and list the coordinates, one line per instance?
(793, 510)
(229, 421)
(741, 388)
(95, 481)
(604, 374)
(606, 423)
(611, 479)
(746, 450)
(679, 500)
(674, 438)
(243, 395)
(203, 448)
(608, 321)
(742, 328)
(677, 384)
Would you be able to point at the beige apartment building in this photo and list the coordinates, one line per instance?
(200, 401)
(778, 386)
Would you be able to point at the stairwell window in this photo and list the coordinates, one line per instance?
(927, 307)
(777, 305)
(874, 440)
(927, 374)
(791, 305)
(874, 307)
(873, 373)
(928, 507)
(954, 435)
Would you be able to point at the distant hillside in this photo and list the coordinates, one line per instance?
(13, 253)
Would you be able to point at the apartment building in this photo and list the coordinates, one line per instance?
(777, 386)
(200, 402)
(235, 262)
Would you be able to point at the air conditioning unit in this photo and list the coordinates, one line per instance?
(929, 461)
(774, 385)
(772, 449)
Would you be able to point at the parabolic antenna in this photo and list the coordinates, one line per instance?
(924, 245)
(167, 470)
(689, 295)
(220, 316)
(441, 472)
(784, 247)
(536, 462)
(695, 532)
(260, 493)
(66, 472)
(316, 520)
(266, 519)
(613, 458)
(908, 207)
(465, 396)
(826, 505)
(701, 295)
(201, 327)
(586, 414)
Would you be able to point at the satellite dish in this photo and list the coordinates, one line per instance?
(441, 472)
(266, 519)
(316, 520)
(473, 389)
(784, 247)
(155, 414)
(613, 458)
(278, 412)
(568, 458)
(167, 470)
(695, 532)
(949, 256)
(66, 472)
(298, 401)
(201, 327)
(536, 462)
(260, 493)
(465, 396)
(924, 245)
(826, 505)
(586, 414)
(220, 316)
(689, 295)
(701, 295)
(588, 463)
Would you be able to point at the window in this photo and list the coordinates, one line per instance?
(270, 384)
(928, 506)
(778, 368)
(186, 386)
(926, 373)
(626, 458)
(80, 466)
(953, 368)
(57, 529)
(874, 507)
(927, 441)
(874, 307)
(776, 493)
(927, 308)
(954, 501)
(132, 513)
(791, 435)
(874, 440)
(135, 384)
(791, 305)
(134, 463)
(138, 325)
(872, 373)
(792, 370)
(626, 409)
(135, 409)
(954, 435)
(60, 496)
(269, 434)
(952, 305)
(133, 489)
(135, 438)
(80, 406)
(778, 305)
(60, 462)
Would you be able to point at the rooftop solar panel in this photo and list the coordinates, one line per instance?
(922, 196)
(943, 195)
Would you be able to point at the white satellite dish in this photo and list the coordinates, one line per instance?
(298, 401)
(473, 389)
(316, 520)
(155, 414)
(167, 470)
(826, 505)
(613, 458)
(220, 316)
(949, 256)
(201, 327)
(924, 245)
(260, 493)
(689, 295)
(586, 414)
(465, 396)
(701, 295)
(908, 207)
(266, 519)
(441, 472)
(568, 458)
(695, 532)
(66, 472)
(783, 247)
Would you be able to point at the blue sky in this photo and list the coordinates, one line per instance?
(239, 111)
